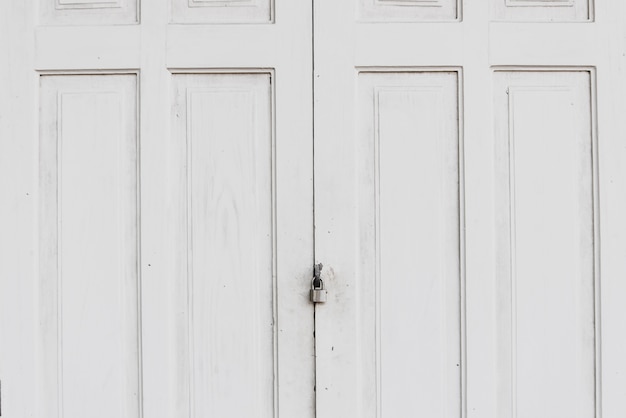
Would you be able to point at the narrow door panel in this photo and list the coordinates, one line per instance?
(410, 306)
(88, 234)
(545, 244)
(157, 237)
(224, 295)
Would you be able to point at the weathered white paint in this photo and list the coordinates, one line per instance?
(565, 358)
(409, 300)
(409, 10)
(221, 11)
(88, 12)
(89, 326)
(543, 10)
(546, 322)
(118, 81)
(225, 329)
(82, 38)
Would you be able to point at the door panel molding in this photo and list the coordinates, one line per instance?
(89, 333)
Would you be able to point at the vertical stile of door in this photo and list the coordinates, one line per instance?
(479, 215)
(335, 198)
(18, 211)
(610, 172)
(155, 223)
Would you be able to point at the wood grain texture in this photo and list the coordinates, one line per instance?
(227, 332)
(95, 40)
(546, 287)
(409, 212)
(479, 46)
(88, 283)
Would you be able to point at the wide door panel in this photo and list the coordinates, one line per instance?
(222, 11)
(166, 234)
(535, 203)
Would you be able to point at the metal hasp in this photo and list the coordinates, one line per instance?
(318, 292)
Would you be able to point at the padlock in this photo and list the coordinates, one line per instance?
(318, 293)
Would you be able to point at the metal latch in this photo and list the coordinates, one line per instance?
(318, 292)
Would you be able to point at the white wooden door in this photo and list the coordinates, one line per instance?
(469, 201)
(156, 235)
(156, 230)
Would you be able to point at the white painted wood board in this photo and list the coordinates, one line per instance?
(410, 294)
(570, 175)
(273, 186)
(89, 330)
(546, 318)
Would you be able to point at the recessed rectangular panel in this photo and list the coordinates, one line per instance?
(542, 10)
(73, 4)
(545, 206)
(222, 11)
(542, 3)
(408, 128)
(92, 12)
(223, 133)
(408, 10)
(89, 239)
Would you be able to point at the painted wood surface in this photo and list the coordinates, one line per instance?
(545, 199)
(479, 45)
(543, 10)
(222, 11)
(225, 302)
(550, 348)
(88, 12)
(409, 10)
(88, 261)
(410, 297)
(251, 230)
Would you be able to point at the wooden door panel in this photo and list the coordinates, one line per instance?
(225, 292)
(409, 217)
(533, 335)
(88, 12)
(88, 260)
(222, 11)
(409, 10)
(220, 322)
(543, 10)
(545, 202)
